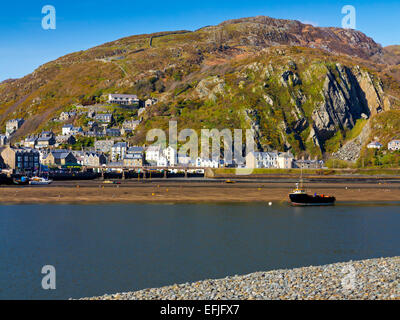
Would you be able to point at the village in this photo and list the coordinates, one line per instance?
(48, 151)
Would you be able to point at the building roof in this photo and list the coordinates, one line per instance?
(375, 143)
(135, 149)
(124, 96)
(120, 145)
(153, 148)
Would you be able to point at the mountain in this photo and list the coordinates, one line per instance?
(302, 88)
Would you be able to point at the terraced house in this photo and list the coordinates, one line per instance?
(134, 157)
(59, 157)
(21, 159)
(94, 159)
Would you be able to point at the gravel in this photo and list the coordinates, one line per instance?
(367, 279)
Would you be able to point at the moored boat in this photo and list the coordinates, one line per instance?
(299, 197)
(40, 181)
(21, 181)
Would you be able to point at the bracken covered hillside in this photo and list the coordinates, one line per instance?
(301, 88)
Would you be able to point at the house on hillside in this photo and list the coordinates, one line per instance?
(113, 132)
(67, 139)
(30, 141)
(150, 102)
(46, 139)
(13, 125)
(65, 116)
(130, 124)
(3, 140)
(394, 145)
(123, 99)
(104, 117)
(103, 146)
(67, 129)
(374, 145)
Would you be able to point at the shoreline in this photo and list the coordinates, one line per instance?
(355, 280)
(89, 192)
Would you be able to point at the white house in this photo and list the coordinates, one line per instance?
(262, 160)
(150, 102)
(374, 145)
(206, 163)
(285, 160)
(123, 99)
(153, 153)
(394, 145)
(162, 162)
(171, 154)
(118, 151)
(185, 160)
(67, 129)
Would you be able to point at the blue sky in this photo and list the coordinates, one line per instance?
(82, 24)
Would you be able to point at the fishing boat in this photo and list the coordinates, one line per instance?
(21, 181)
(299, 196)
(40, 181)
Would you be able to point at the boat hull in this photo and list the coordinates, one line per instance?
(307, 200)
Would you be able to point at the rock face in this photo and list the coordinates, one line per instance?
(348, 96)
(208, 88)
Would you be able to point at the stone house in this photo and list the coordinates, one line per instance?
(103, 146)
(21, 159)
(104, 117)
(92, 159)
(59, 157)
(67, 139)
(13, 125)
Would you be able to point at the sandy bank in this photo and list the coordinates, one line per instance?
(159, 192)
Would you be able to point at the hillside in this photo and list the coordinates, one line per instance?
(302, 88)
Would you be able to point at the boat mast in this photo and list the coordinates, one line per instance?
(301, 176)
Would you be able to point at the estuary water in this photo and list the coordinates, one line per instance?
(99, 249)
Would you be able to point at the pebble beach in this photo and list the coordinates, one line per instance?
(355, 280)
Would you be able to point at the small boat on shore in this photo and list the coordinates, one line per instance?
(299, 197)
(21, 181)
(40, 181)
